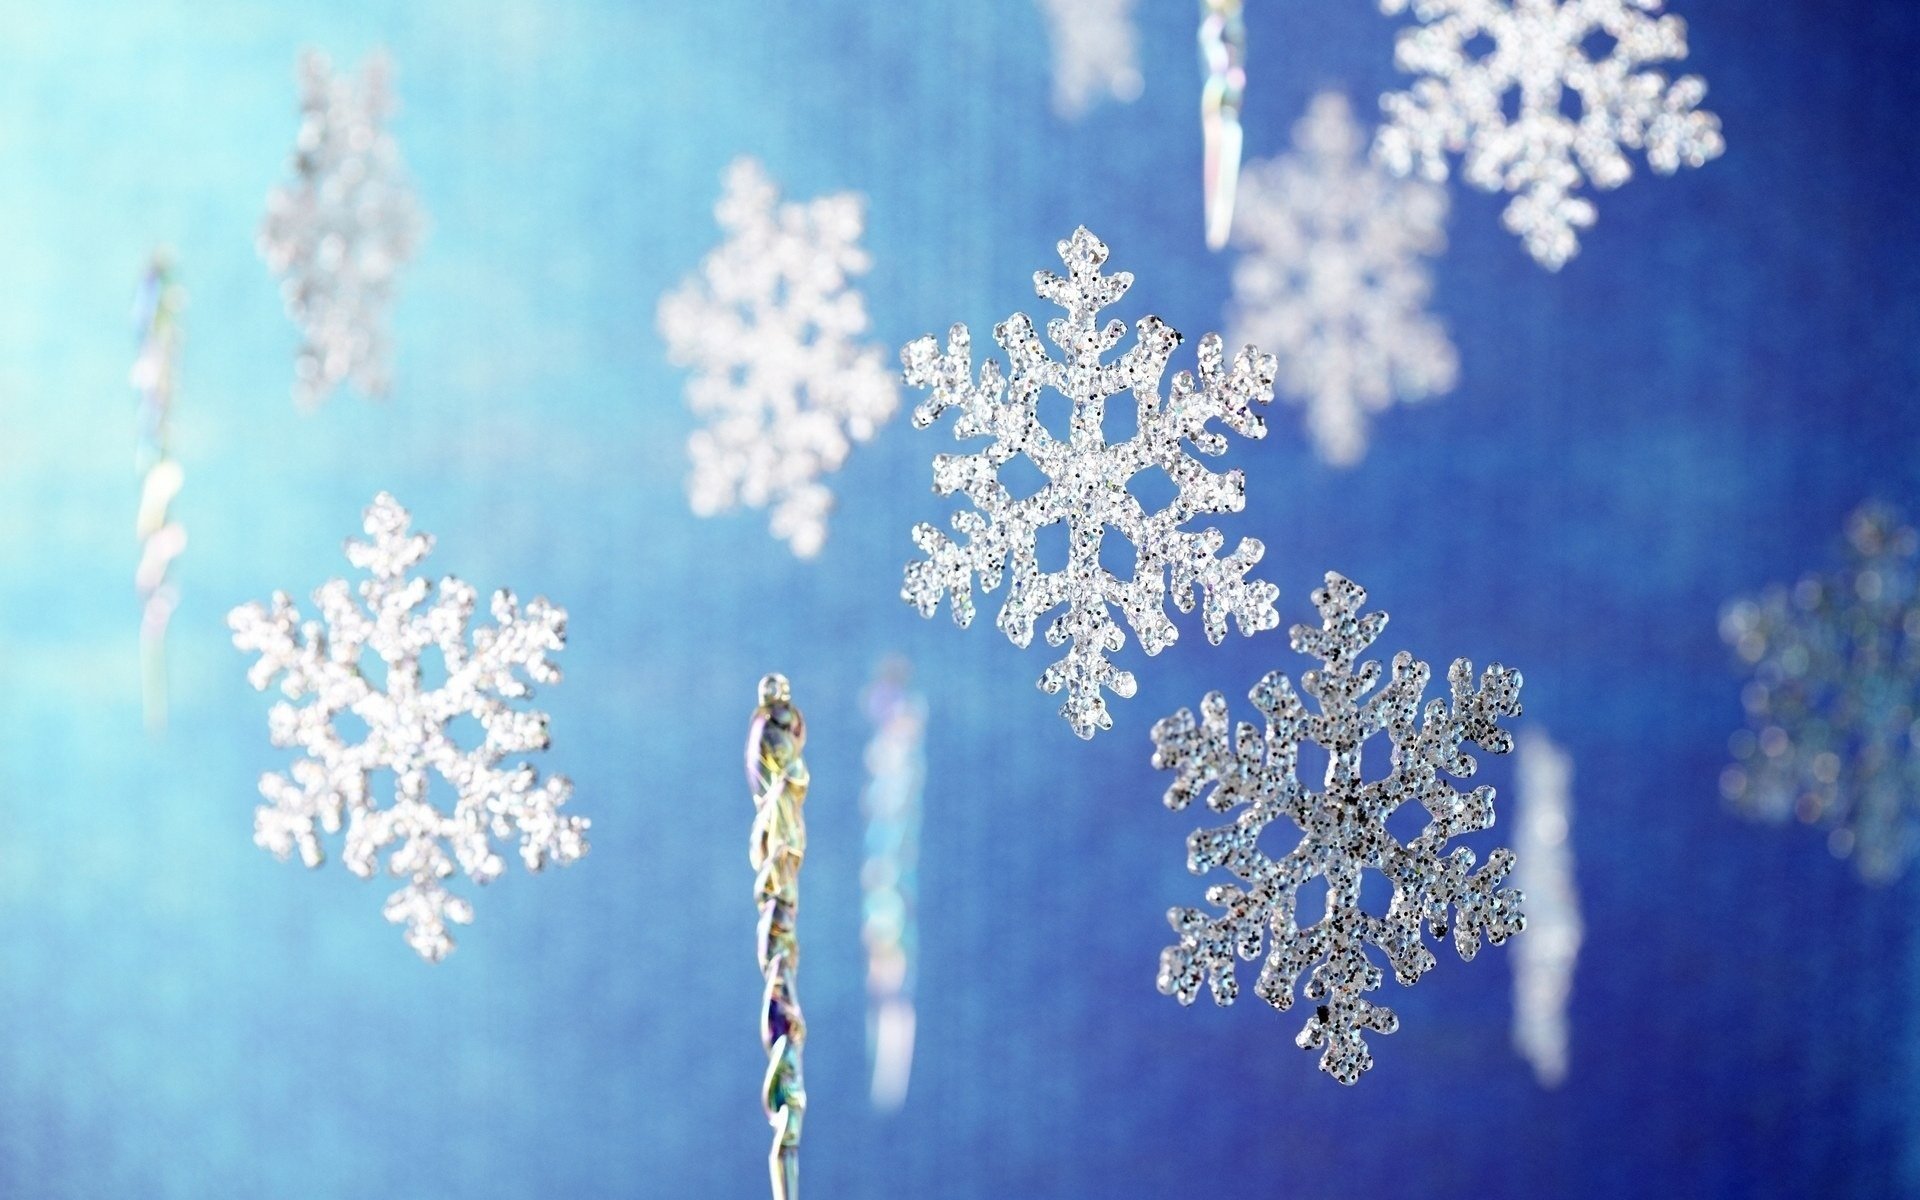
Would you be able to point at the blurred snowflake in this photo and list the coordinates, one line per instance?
(1343, 830)
(1095, 53)
(1833, 708)
(1539, 97)
(1543, 871)
(769, 327)
(1334, 280)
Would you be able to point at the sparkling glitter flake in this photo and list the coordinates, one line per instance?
(769, 326)
(1334, 279)
(1086, 484)
(1543, 869)
(1833, 706)
(1343, 830)
(439, 722)
(1095, 53)
(1539, 97)
(339, 232)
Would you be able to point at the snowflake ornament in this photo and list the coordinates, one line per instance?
(339, 232)
(1559, 95)
(1343, 830)
(1543, 961)
(1086, 483)
(326, 670)
(770, 328)
(1334, 279)
(1833, 706)
(1095, 53)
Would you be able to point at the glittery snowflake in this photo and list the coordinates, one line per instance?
(374, 662)
(769, 326)
(1543, 870)
(1334, 279)
(1086, 486)
(1833, 707)
(1343, 830)
(339, 232)
(1095, 53)
(1540, 97)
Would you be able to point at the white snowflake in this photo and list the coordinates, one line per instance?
(769, 326)
(1334, 279)
(327, 670)
(1833, 708)
(1087, 483)
(1543, 870)
(1095, 53)
(339, 232)
(1539, 97)
(1343, 830)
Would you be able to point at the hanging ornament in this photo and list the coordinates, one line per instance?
(1223, 52)
(1241, 770)
(1086, 487)
(156, 319)
(337, 234)
(1543, 872)
(896, 771)
(769, 326)
(1833, 706)
(778, 776)
(372, 661)
(1095, 53)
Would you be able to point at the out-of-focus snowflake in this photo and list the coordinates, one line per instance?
(339, 232)
(1833, 707)
(1343, 830)
(1334, 279)
(769, 326)
(1543, 960)
(374, 661)
(1095, 53)
(1539, 97)
(1086, 484)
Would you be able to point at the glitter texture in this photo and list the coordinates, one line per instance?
(769, 326)
(156, 318)
(778, 776)
(1086, 483)
(375, 661)
(1334, 279)
(1543, 871)
(1539, 97)
(1095, 53)
(1343, 830)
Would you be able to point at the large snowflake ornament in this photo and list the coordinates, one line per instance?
(1833, 706)
(1334, 279)
(1086, 486)
(770, 328)
(1095, 53)
(408, 673)
(337, 234)
(1343, 830)
(1539, 97)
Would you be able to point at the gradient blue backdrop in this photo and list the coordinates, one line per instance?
(1684, 413)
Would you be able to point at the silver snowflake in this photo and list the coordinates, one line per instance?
(1833, 707)
(372, 661)
(1095, 53)
(1543, 961)
(1086, 484)
(769, 326)
(1343, 830)
(339, 232)
(1554, 100)
(1334, 279)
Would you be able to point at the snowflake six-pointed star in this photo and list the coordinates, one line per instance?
(769, 326)
(339, 232)
(1539, 97)
(1833, 707)
(1334, 279)
(1343, 830)
(1095, 52)
(375, 661)
(1086, 483)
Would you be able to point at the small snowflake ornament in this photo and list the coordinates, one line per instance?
(1539, 97)
(1343, 830)
(339, 232)
(1086, 486)
(409, 671)
(770, 328)
(1334, 279)
(1095, 53)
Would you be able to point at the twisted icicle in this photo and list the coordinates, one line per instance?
(156, 315)
(778, 777)
(896, 770)
(1223, 51)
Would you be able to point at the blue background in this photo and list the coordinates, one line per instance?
(1683, 414)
